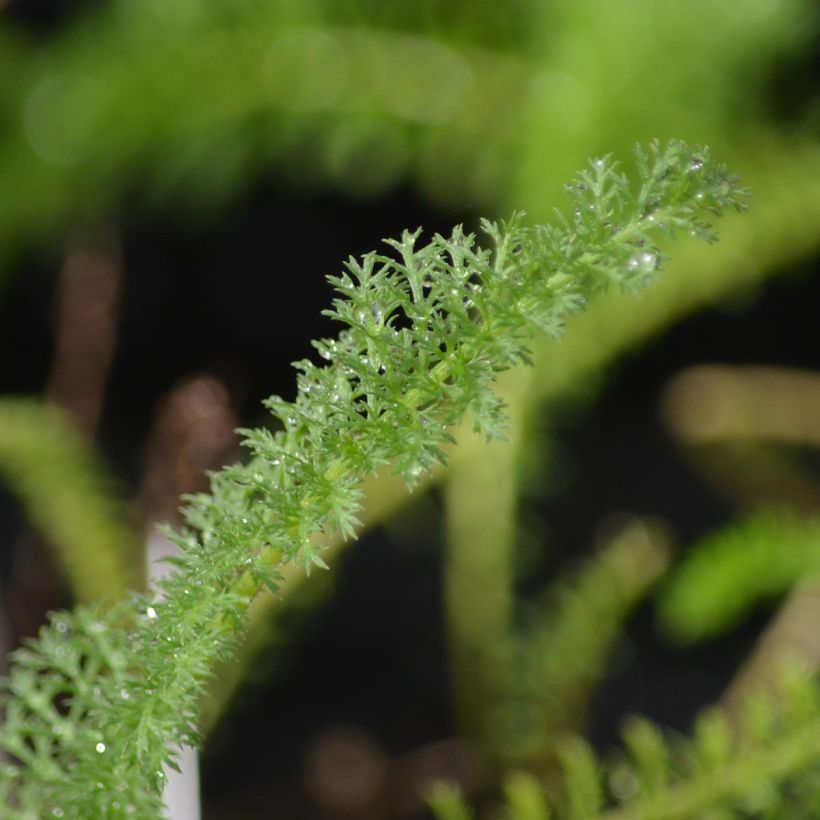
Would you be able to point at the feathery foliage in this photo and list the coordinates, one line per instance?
(743, 770)
(95, 707)
(554, 663)
(729, 572)
(758, 768)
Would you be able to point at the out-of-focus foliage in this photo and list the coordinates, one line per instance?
(729, 572)
(554, 663)
(194, 100)
(68, 495)
(606, 77)
(447, 803)
(525, 797)
(762, 767)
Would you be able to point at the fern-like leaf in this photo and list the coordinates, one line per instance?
(730, 571)
(426, 330)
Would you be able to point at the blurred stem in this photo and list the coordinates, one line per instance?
(754, 474)
(87, 305)
(792, 636)
(735, 422)
(718, 402)
(66, 490)
(575, 648)
(480, 496)
(559, 657)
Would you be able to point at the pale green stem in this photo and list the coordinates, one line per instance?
(481, 499)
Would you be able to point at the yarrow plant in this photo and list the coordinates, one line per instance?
(95, 707)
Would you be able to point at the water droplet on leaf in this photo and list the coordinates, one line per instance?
(645, 261)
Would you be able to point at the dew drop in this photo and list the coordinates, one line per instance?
(581, 187)
(125, 694)
(695, 164)
(643, 261)
(62, 627)
(57, 812)
(151, 613)
(100, 747)
(598, 163)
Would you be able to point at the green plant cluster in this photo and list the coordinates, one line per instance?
(729, 572)
(762, 765)
(99, 703)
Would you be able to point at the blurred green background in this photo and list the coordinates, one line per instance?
(177, 177)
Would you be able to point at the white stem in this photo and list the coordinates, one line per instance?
(181, 795)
